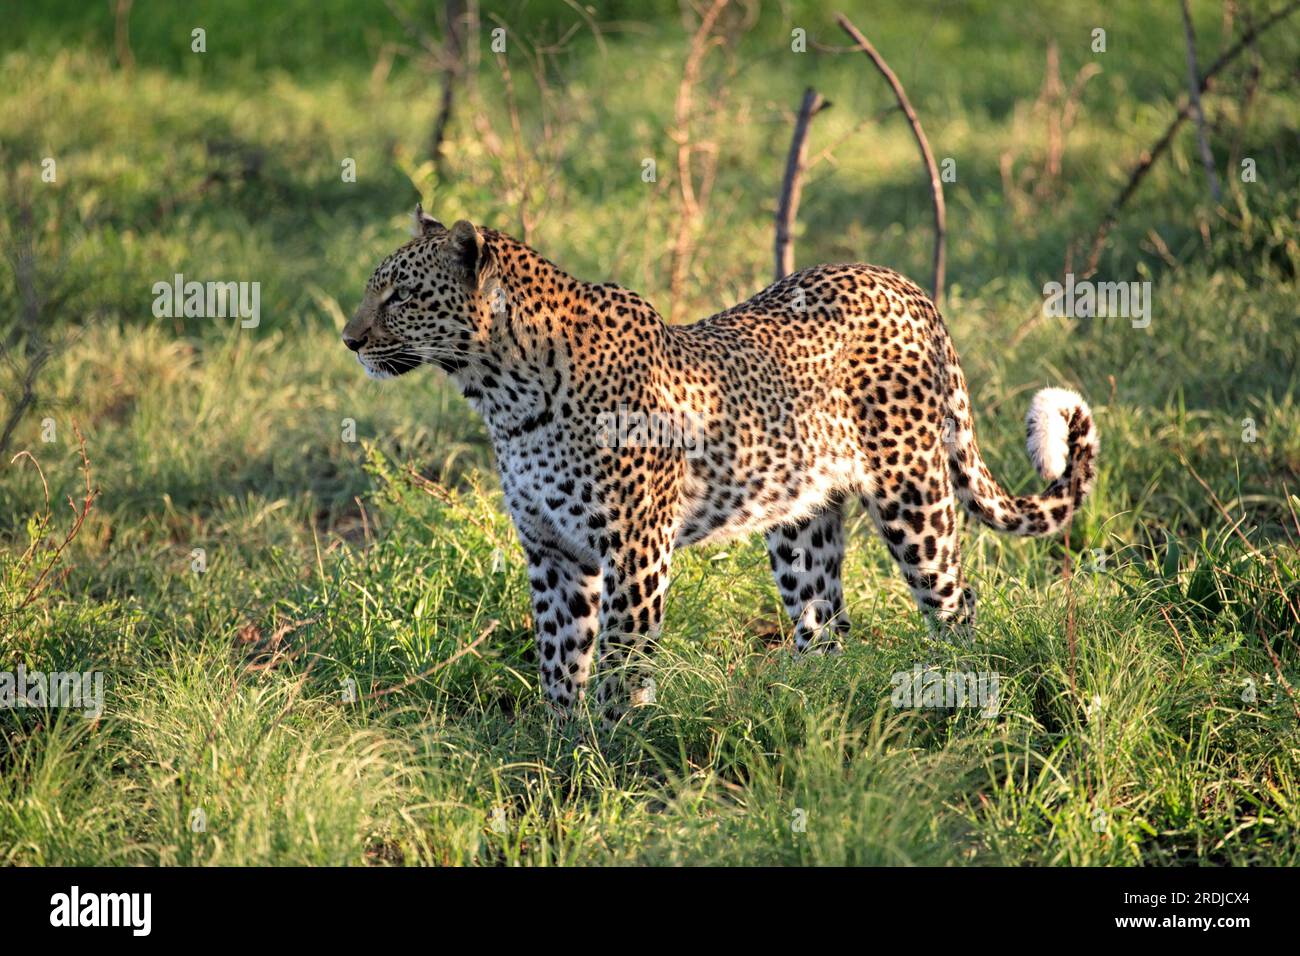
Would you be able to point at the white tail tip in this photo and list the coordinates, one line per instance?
(1048, 426)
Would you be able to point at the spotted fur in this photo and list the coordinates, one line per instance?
(836, 381)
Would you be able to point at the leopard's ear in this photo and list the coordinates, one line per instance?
(425, 225)
(465, 250)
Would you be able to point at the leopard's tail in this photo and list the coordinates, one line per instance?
(1063, 445)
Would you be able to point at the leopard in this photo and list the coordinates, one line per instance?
(620, 438)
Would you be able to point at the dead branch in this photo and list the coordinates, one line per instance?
(1194, 98)
(454, 13)
(1070, 110)
(122, 35)
(1048, 96)
(936, 184)
(683, 245)
(1057, 108)
(447, 57)
(37, 356)
(787, 210)
(1249, 90)
(592, 25)
(1148, 157)
(80, 512)
(1060, 109)
(522, 156)
(21, 253)
(526, 220)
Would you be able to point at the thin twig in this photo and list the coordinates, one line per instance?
(79, 515)
(1249, 90)
(429, 672)
(1235, 526)
(448, 498)
(20, 251)
(1177, 637)
(829, 151)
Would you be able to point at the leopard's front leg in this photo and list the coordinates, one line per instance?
(631, 608)
(566, 616)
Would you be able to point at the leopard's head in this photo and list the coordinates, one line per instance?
(424, 304)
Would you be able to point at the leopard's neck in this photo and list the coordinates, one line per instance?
(551, 337)
(517, 381)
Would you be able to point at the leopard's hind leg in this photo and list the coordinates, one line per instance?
(807, 558)
(915, 510)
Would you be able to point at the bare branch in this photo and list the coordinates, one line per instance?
(122, 35)
(1194, 98)
(1148, 157)
(683, 244)
(453, 50)
(1248, 93)
(787, 210)
(21, 252)
(936, 184)
(446, 56)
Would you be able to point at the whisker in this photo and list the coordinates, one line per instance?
(438, 352)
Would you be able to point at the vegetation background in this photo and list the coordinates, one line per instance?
(316, 695)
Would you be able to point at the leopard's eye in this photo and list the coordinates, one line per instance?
(401, 293)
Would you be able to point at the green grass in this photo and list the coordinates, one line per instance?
(1144, 713)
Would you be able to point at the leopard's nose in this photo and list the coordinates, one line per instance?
(354, 344)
